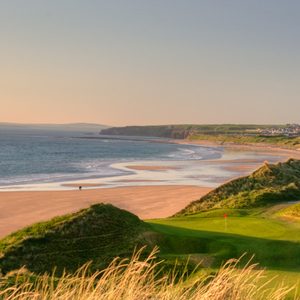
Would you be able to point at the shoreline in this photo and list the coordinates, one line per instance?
(137, 173)
(261, 147)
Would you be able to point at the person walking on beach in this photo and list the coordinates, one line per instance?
(80, 187)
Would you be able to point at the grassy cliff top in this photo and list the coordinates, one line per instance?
(218, 133)
(97, 234)
(268, 185)
(184, 130)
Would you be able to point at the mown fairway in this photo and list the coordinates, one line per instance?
(274, 242)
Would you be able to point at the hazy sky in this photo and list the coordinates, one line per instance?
(150, 61)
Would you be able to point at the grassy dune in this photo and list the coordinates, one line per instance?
(269, 185)
(98, 233)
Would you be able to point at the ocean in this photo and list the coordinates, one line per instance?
(54, 156)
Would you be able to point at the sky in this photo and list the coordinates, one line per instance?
(140, 62)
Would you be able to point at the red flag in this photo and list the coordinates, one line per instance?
(225, 216)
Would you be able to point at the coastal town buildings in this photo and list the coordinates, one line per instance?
(290, 130)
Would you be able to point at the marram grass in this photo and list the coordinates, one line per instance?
(136, 279)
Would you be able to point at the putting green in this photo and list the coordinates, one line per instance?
(274, 242)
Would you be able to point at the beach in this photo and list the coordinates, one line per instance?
(20, 209)
(153, 189)
(258, 147)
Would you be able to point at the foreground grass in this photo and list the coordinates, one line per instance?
(137, 279)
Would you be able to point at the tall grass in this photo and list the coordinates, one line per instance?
(137, 279)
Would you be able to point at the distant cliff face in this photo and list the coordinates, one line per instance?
(268, 185)
(183, 131)
(171, 131)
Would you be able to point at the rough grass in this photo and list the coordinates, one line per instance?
(98, 233)
(267, 186)
(137, 280)
(291, 212)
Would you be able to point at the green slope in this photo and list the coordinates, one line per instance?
(268, 185)
(97, 234)
(274, 242)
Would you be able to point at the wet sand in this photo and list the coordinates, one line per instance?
(151, 168)
(242, 168)
(83, 185)
(20, 209)
(138, 180)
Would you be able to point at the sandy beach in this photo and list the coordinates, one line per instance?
(259, 147)
(20, 209)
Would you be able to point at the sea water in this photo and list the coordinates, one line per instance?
(50, 156)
